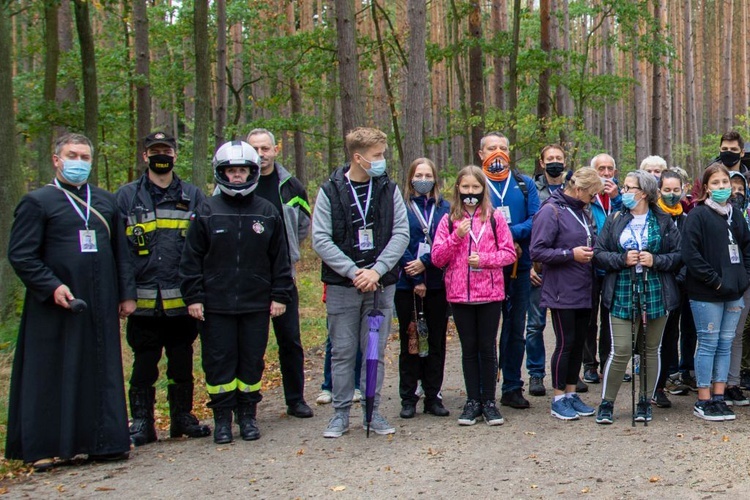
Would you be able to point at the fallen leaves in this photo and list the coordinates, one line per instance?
(654, 479)
(725, 438)
(339, 487)
(104, 488)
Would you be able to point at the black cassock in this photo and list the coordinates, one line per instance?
(67, 394)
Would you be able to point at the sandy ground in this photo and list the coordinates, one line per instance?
(531, 456)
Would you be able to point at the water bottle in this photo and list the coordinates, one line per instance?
(637, 364)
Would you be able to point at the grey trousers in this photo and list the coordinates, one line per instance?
(348, 327)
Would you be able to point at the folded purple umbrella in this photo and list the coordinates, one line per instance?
(375, 319)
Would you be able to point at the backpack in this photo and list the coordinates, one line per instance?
(493, 224)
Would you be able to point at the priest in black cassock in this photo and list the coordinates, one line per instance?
(67, 395)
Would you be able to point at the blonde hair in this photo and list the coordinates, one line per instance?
(587, 179)
(653, 161)
(457, 208)
(409, 189)
(362, 138)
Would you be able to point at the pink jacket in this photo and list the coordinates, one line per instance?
(462, 284)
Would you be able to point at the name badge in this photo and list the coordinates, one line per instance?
(366, 241)
(87, 240)
(424, 248)
(734, 254)
(506, 213)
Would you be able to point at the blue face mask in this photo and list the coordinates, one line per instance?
(721, 195)
(628, 200)
(377, 167)
(76, 171)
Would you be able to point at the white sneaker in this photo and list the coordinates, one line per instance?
(419, 392)
(324, 398)
(357, 396)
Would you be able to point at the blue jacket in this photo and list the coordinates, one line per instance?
(600, 216)
(521, 212)
(433, 276)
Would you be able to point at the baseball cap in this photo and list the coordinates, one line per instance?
(159, 138)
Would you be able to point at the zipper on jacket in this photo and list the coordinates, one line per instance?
(468, 267)
(239, 246)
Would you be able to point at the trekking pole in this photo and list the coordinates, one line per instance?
(642, 349)
(633, 323)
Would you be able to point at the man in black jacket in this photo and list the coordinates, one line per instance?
(288, 195)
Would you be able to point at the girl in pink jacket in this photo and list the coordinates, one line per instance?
(474, 244)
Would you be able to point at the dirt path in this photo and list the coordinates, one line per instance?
(531, 456)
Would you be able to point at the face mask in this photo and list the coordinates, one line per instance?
(629, 201)
(671, 199)
(76, 171)
(422, 187)
(161, 164)
(377, 167)
(729, 158)
(721, 195)
(496, 167)
(738, 201)
(471, 200)
(554, 169)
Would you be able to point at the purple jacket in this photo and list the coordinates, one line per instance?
(567, 284)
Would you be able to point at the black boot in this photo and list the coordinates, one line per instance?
(222, 425)
(246, 420)
(184, 423)
(142, 430)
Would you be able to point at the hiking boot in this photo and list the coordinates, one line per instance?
(514, 399)
(222, 425)
(563, 409)
(338, 425)
(581, 386)
(324, 398)
(300, 409)
(491, 414)
(246, 421)
(707, 410)
(721, 405)
(536, 386)
(142, 429)
(643, 411)
(604, 413)
(472, 409)
(182, 420)
(660, 399)
(581, 408)
(745, 379)
(379, 425)
(408, 410)
(734, 396)
(590, 376)
(436, 408)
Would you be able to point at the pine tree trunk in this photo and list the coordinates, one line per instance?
(51, 62)
(726, 69)
(221, 72)
(351, 109)
(543, 99)
(476, 75)
(202, 94)
(416, 86)
(143, 85)
(90, 90)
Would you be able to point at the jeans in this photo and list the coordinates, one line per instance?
(327, 384)
(536, 321)
(715, 323)
(512, 343)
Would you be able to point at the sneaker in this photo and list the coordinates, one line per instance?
(643, 411)
(491, 414)
(338, 425)
(604, 413)
(673, 383)
(721, 405)
(689, 381)
(581, 386)
(707, 410)
(591, 377)
(581, 408)
(436, 408)
(660, 399)
(379, 425)
(408, 410)
(563, 409)
(357, 396)
(627, 378)
(472, 409)
(324, 398)
(515, 399)
(734, 396)
(536, 386)
(745, 379)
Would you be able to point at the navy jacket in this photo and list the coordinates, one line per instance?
(433, 276)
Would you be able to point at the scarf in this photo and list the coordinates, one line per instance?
(497, 160)
(725, 210)
(673, 211)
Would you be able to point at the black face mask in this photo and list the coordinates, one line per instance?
(729, 158)
(554, 169)
(161, 164)
(471, 199)
(738, 201)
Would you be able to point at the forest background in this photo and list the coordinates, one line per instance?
(629, 77)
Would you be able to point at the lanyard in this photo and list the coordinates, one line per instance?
(501, 197)
(426, 224)
(477, 239)
(639, 238)
(88, 203)
(583, 224)
(606, 210)
(363, 213)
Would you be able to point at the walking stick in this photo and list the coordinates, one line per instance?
(634, 283)
(642, 349)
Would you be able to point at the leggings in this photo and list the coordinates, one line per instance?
(477, 329)
(571, 328)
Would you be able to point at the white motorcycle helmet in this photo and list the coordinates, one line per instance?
(236, 154)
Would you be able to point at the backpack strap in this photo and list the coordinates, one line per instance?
(521, 184)
(493, 224)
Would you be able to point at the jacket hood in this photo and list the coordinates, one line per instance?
(564, 200)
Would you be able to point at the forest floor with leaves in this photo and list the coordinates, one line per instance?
(531, 456)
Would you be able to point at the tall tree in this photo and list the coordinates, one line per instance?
(499, 22)
(202, 93)
(657, 91)
(51, 63)
(476, 74)
(221, 72)
(142, 72)
(90, 89)
(416, 85)
(296, 105)
(351, 108)
(513, 78)
(726, 68)
(688, 65)
(543, 99)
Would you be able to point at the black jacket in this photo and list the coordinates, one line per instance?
(236, 259)
(705, 250)
(609, 257)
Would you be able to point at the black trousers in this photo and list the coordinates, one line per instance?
(291, 355)
(411, 367)
(233, 349)
(477, 329)
(149, 335)
(571, 326)
(670, 357)
(600, 313)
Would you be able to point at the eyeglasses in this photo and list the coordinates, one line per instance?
(626, 188)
